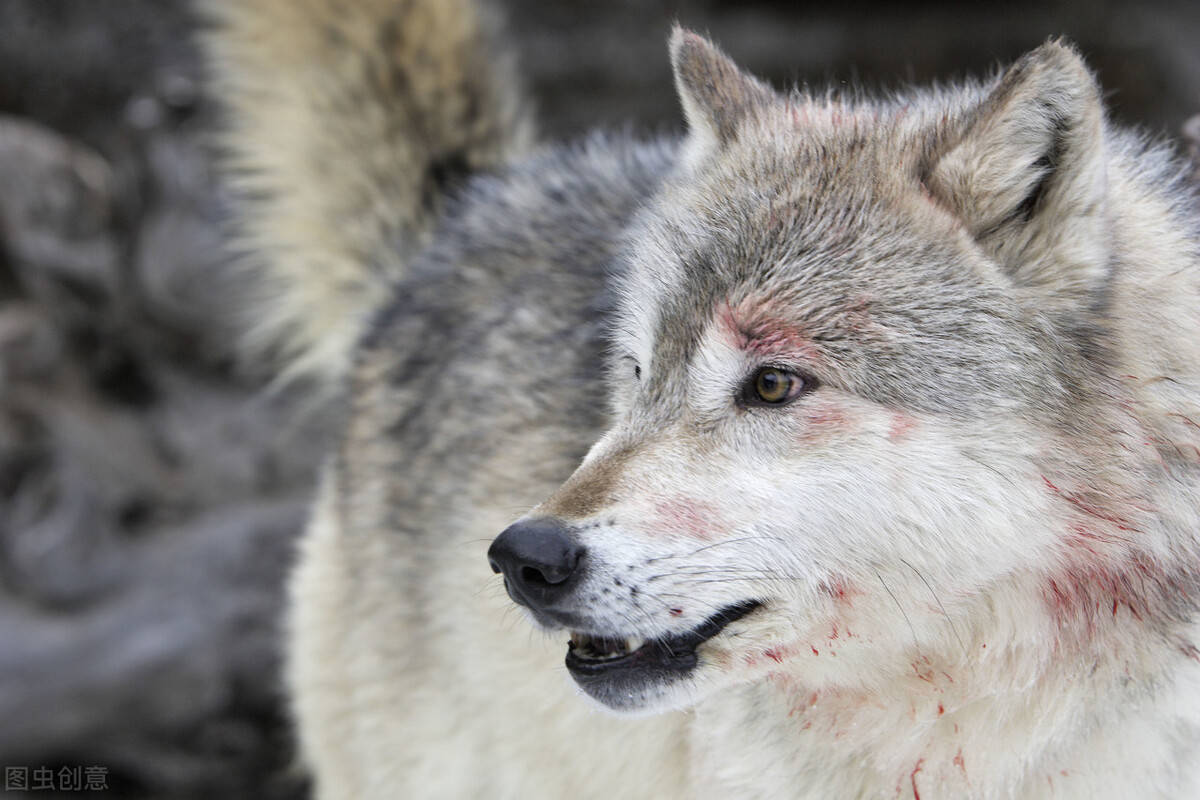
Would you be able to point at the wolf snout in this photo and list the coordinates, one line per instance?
(539, 558)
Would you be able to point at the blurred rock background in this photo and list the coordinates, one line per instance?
(150, 486)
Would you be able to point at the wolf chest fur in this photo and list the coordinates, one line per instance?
(845, 448)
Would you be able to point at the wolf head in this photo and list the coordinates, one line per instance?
(859, 350)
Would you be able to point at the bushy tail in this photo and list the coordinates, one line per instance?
(346, 120)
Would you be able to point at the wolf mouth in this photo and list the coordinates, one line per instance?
(612, 669)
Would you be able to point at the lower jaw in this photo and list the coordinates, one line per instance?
(629, 692)
(639, 678)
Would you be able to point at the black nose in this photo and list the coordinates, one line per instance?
(538, 559)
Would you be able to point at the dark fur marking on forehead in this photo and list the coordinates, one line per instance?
(685, 314)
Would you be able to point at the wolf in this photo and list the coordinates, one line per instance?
(845, 447)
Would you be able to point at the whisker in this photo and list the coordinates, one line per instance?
(704, 581)
(903, 613)
(740, 540)
(703, 569)
(731, 574)
(938, 600)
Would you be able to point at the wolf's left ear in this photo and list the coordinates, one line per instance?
(716, 95)
(1026, 173)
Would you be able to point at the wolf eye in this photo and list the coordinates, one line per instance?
(773, 387)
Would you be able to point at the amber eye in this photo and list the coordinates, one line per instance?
(773, 386)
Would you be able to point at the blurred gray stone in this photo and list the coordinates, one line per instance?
(56, 207)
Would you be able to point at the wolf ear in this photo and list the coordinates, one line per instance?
(1026, 173)
(715, 94)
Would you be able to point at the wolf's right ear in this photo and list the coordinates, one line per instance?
(1026, 173)
(716, 95)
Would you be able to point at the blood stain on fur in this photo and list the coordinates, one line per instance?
(687, 517)
(913, 778)
(824, 416)
(777, 654)
(754, 326)
(839, 588)
(1090, 508)
(1084, 590)
(925, 672)
(902, 425)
